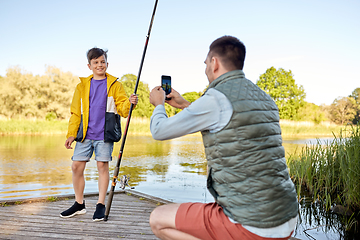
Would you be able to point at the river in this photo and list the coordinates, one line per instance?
(38, 166)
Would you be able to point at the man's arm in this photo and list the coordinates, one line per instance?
(176, 100)
(203, 114)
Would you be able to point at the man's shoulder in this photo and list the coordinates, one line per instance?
(212, 92)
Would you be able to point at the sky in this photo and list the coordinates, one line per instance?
(319, 41)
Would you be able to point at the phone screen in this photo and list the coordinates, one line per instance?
(166, 84)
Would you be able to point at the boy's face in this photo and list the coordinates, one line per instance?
(98, 66)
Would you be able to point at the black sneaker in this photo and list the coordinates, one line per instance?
(99, 213)
(75, 209)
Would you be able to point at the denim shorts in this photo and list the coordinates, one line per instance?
(84, 150)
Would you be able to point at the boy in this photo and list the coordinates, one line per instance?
(95, 124)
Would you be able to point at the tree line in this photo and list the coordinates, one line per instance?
(23, 95)
(290, 99)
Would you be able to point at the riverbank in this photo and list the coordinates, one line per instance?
(138, 126)
(141, 126)
(306, 128)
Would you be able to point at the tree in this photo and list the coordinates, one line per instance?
(343, 110)
(143, 108)
(281, 86)
(311, 112)
(25, 95)
(356, 96)
(191, 96)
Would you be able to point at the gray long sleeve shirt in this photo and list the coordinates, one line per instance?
(210, 112)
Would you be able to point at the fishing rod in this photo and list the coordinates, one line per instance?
(117, 168)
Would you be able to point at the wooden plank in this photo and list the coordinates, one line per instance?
(39, 219)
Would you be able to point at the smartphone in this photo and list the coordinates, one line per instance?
(166, 85)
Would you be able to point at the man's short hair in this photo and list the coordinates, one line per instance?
(230, 50)
(95, 53)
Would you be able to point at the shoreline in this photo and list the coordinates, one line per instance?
(54, 198)
(141, 126)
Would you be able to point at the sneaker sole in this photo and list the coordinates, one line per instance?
(83, 211)
(98, 219)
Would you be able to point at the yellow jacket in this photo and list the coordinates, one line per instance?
(117, 104)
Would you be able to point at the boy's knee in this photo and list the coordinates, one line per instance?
(77, 167)
(103, 166)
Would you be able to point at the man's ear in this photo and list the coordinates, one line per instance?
(216, 64)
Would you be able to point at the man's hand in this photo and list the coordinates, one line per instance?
(134, 99)
(176, 100)
(68, 142)
(157, 96)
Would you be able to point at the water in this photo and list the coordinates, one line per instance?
(38, 166)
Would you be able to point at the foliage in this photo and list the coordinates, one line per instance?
(281, 86)
(191, 96)
(48, 97)
(356, 96)
(144, 108)
(343, 110)
(50, 116)
(311, 112)
(330, 172)
(25, 95)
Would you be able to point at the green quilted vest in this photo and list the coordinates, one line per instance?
(248, 175)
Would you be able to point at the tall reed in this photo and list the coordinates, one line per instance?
(25, 126)
(330, 171)
(306, 128)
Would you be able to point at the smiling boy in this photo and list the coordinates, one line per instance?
(99, 101)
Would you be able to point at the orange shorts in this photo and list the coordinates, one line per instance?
(208, 221)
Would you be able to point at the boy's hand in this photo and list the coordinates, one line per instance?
(133, 99)
(68, 142)
(176, 100)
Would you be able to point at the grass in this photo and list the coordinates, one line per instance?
(52, 199)
(141, 126)
(294, 128)
(20, 126)
(138, 126)
(330, 172)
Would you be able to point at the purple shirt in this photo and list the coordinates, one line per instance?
(97, 109)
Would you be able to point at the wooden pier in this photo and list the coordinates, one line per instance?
(40, 218)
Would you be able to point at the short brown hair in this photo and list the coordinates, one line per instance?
(95, 53)
(230, 50)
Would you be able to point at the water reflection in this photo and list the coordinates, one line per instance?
(33, 166)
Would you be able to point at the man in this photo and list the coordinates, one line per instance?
(247, 172)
